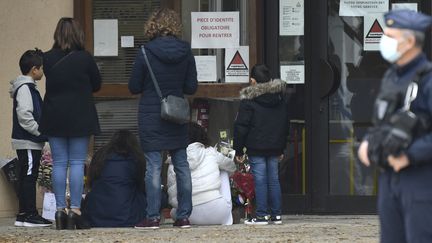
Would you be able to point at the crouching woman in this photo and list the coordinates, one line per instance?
(116, 178)
(211, 193)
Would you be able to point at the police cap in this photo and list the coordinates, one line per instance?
(407, 19)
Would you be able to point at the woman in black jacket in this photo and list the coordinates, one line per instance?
(261, 127)
(174, 67)
(116, 175)
(69, 115)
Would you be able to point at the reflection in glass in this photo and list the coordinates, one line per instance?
(350, 107)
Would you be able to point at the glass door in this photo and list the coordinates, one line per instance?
(331, 110)
(284, 51)
(357, 68)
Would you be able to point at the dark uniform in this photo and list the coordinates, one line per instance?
(405, 198)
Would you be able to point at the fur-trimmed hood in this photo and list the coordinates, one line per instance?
(253, 91)
(266, 94)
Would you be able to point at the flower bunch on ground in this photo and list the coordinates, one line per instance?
(45, 170)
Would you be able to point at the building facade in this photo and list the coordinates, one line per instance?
(326, 51)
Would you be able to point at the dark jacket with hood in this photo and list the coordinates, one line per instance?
(68, 108)
(262, 121)
(117, 197)
(174, 67)
(27, 110)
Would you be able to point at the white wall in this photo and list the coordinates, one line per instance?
(24, 24)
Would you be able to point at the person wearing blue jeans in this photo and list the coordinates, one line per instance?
(267, 187)
(261, 127)
(173, 65)
(153, 183)
(69, 116)
(68, 152)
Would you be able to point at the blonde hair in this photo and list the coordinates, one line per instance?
(163, 22)
(68, 35)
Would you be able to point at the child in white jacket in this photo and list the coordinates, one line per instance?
(211, 194)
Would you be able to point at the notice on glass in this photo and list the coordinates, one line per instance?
(410, 6)
(215, 29)
(237, 65)
(291, 17)
(105, 37)
(127, 41)
(293, 74)
(373, 30)
(362, 7)
(206, 68)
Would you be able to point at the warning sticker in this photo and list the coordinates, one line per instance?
(237, 64)
(373, 31)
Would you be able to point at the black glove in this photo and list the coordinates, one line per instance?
(375, 148)
(395, 142)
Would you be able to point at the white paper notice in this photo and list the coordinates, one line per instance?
(362, 7)
(237, 65)
(410, 6)
(373, 30)
(206, 68)
(293, 74)
(291, 17)
(105, 37)
(215, 29)
(127, 41)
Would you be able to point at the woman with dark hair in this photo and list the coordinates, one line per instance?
(116, 179)
(174, 67)
(211, 193)
(69, 116)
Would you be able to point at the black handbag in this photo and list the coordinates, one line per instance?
(174, 109)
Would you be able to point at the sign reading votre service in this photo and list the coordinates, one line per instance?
(215, 29)
(362, 7)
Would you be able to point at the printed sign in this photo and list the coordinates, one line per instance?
(206, 68)
(291, 17)
(127, 41)
(237, 64)
(362, 7)
(373, 30)
(105, 37)
(410, 6)
(215, 29)
(293, 74)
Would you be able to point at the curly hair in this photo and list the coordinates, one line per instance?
(163, 22)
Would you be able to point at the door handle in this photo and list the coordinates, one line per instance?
(331, 79)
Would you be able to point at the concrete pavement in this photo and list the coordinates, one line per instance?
(294, 229)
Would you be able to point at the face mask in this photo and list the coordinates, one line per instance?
(388, 49)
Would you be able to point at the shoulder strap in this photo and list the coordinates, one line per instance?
(151, 73)
(61, 60)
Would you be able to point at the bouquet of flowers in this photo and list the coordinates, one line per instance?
(45, 170)
(243, 187)
(241, 181)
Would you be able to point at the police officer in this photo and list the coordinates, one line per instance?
(405, 183)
